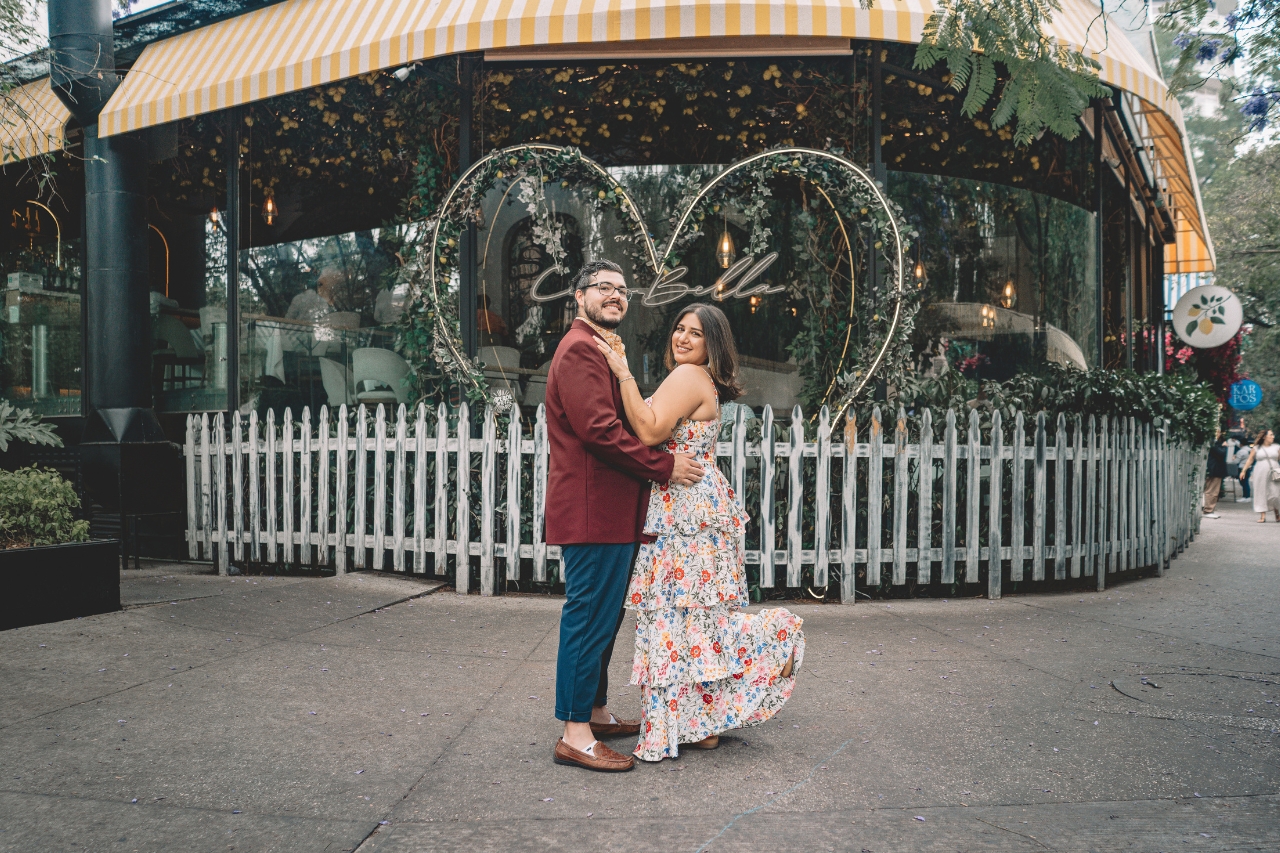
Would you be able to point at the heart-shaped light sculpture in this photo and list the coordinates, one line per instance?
(481, 176)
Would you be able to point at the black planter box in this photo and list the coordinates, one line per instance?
(56, 582)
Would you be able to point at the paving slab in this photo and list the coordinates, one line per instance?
(377, 712)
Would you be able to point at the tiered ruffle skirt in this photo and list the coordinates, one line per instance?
(704, 665)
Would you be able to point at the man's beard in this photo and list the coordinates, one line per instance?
(595, 316)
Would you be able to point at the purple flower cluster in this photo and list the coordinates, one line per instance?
(1257, 108)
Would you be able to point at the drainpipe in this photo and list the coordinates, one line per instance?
(122, 445)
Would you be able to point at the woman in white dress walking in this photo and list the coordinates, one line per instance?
(1265, 459)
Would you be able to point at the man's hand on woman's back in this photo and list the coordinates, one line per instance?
(687, 470)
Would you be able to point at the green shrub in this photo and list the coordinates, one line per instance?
(1184, 406)
(36, 509)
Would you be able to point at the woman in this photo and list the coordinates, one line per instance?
(1264, 458)
(704, 665)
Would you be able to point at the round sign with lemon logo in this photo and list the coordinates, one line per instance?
(1207, 316)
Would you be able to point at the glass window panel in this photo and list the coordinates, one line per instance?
(317, 323)
(40, 332)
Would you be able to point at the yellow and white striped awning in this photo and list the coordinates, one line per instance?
(32, 123)
(1163, 134)
(297, 44)
(301, 43)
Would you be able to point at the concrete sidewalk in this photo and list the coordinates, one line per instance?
(306, 714)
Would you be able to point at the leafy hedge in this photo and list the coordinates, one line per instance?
(1186, 405)
(36, 508)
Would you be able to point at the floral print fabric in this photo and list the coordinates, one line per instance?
(704, 665)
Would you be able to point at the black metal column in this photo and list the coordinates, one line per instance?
(118, 314)
(126, 463)
(468, 272)
(232, 225)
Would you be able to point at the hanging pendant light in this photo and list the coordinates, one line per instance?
(213, 214)
(1009, 296)
(269, 210)
(725, 250)
(920, 276)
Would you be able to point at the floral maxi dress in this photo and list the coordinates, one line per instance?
(704, 665)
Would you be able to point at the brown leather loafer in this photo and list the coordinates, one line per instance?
(616, 728)
(604, 759)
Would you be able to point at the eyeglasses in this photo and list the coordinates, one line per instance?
(607, 289)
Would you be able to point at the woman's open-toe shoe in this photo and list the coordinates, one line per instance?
(706, 743)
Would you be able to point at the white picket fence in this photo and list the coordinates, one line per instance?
(362, 491)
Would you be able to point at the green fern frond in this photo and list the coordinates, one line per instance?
(22, 425)
(1049, 84)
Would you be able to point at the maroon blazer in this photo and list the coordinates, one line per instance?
(598, 482)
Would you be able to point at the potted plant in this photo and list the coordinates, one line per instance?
(49, 568)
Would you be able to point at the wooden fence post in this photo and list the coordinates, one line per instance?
(949, 500)
(994, 509)
(795, 497)
(924, 501)
(822, 500)
(767, 537)
(848, 513)
(900, 499)
(342, 492)
(513, 494)
(540, 494)
(972, 499)
(462, 573)
(875, 499)
(398, 489)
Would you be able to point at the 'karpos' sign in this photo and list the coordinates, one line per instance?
(1207, 316)
(1246, 395)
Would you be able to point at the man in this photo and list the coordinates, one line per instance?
(1214, 471)
(313, 305)
(597, 495)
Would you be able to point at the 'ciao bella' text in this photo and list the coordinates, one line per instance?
(737, 282)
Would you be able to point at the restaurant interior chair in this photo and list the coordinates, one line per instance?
(535, 392)
(209, 315)
(500, 365)
(339, 385)
(176, 348)
(379, 376)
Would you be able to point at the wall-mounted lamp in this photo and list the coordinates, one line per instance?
(269, 210)
(1008, 296)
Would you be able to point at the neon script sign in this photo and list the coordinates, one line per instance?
(737, 282)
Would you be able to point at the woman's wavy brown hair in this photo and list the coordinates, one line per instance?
(722, 353)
